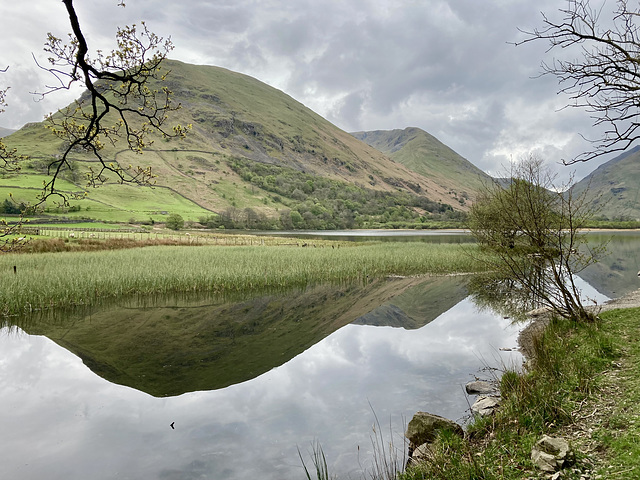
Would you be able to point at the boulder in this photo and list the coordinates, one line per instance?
(421, 454)
(485, 405)
(480, 387)
(551, 454)
(424, 427)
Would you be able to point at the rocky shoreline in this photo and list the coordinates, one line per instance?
(550, 454)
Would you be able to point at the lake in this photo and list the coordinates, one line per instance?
(188, 388)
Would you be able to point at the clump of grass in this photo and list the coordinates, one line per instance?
(319, 463)
(451, 458)
(387, 462)
(389, 457)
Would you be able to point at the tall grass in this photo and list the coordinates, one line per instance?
(71, 278)
(389, 457)
(319, 463)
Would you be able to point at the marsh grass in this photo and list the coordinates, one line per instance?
(321, 469)
(44, 280)
(388, 457)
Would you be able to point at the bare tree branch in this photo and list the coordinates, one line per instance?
(9, 157)
(605, 77)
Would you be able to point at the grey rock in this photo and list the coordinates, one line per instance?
(485, 405)
(551, 454)
(424, 427)
(421, 454)
(480, 387)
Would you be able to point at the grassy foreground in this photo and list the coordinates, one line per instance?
(43, 280)
(584, 387)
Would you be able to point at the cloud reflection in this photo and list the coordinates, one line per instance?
(69, 423)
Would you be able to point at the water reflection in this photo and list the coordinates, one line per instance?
(510, 299)
(427, 236)
(616, 274)
(190, 346)
(245, 382)
(67, 422)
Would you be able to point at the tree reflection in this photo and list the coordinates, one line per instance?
(508, 295)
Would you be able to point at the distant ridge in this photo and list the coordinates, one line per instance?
(614, 187)
(5, 132)
(426, 155)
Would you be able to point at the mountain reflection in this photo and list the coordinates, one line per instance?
(616, 274)
(186, 346)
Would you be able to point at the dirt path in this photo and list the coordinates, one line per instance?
(609, 411)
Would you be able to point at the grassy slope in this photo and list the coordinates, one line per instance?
(615, 186)
(113, 202)
(239, 115)
(425, 154)
(234, 115)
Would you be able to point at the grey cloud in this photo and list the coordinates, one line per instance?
(447, 66)
(351, 108)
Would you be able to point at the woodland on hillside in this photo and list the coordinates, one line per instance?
(320, 203)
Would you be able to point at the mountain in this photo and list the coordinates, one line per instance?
(614, 187)
(425, 154)
(5, 132)
(252, 146)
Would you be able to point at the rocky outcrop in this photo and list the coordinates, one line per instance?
(481, 387)
(488, 399)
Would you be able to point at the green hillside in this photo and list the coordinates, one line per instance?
(614, 187)
(251, 147)
(425, 154)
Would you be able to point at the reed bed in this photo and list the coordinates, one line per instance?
(44, 280)
(71, 241)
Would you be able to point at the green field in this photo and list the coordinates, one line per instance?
(110, 203)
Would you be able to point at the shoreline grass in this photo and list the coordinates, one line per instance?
(47, 280)
(583, 386)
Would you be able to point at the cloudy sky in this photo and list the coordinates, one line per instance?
(446, 66)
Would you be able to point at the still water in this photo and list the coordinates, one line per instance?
(230, 390)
